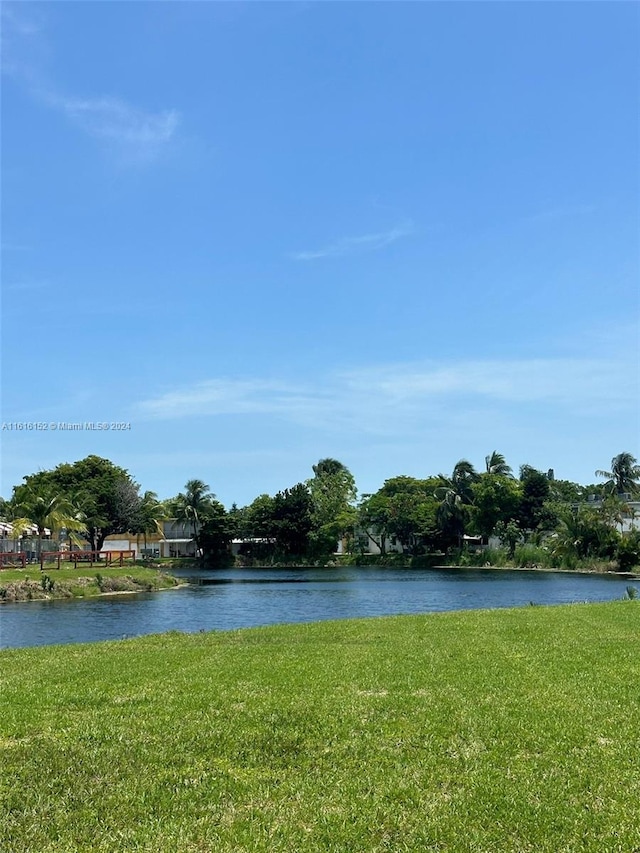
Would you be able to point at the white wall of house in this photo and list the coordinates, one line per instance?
(631, 519)
(630, 515)
(122, 544)
(364, 544)
(176, 547)
(173, 529)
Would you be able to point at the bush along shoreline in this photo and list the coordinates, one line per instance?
(527, 557)
(42, 586)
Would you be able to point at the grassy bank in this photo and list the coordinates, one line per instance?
(30, 584)
(511, 730)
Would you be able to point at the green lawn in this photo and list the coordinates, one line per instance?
(83, 581)
(505, 730)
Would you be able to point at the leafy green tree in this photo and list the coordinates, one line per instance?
(409, 520)
(333, 492)
(496, 497)
(5, 509)
(374, 515)
(412, 511)
(624, 476)
(509, 534)
(535, 513)
(104, 492)
(292, 519)
(594, 491)
(216, 534)
(256, 520)
(284, 521)
(236, 517)
(564, 491)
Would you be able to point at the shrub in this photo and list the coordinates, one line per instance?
(528, 556)
(628, 551)
(495, 557)
(46, 583)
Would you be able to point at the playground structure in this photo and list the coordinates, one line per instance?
(102, 558)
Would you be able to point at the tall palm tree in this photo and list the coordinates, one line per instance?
(47, 510)
(496, 464)
(624, 475)
(458, 485)
(151, 513)
(191, 506)
(454, 494)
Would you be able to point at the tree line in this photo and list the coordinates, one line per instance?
(441, 514)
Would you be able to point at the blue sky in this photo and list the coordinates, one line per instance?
(398, 234)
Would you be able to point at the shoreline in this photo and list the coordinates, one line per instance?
(135, 591)
(31, 590)
(28, 589)
(549, 570)
(305, 566)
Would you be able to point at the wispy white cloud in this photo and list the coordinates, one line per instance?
(113, 119)
(398, 399)
(224, 397)
(525, 381)
(19, 23)
(15, 247)
(27, 285)
(563, 212)
(132, 133)
(20, 37)
(355, 245)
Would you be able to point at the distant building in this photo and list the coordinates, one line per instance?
(176, 541)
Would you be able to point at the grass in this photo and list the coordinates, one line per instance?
(69, 582)
(496, 731)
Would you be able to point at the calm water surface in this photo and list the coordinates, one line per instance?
(243, 598)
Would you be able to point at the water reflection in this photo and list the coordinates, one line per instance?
(242, 598)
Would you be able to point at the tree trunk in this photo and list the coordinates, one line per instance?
(381, 545)
(100, 537)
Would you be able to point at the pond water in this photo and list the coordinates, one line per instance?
(243, 598)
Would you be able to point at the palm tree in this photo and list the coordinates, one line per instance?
(570, 538)
(151, 514)
(496, 464)
(584, 533)
(46, 509)
(624, 475)
(191, 506)
(455, 494)
(458, 486)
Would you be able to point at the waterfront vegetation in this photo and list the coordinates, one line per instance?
(30, 584)
(511, 730)
(534, 520)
